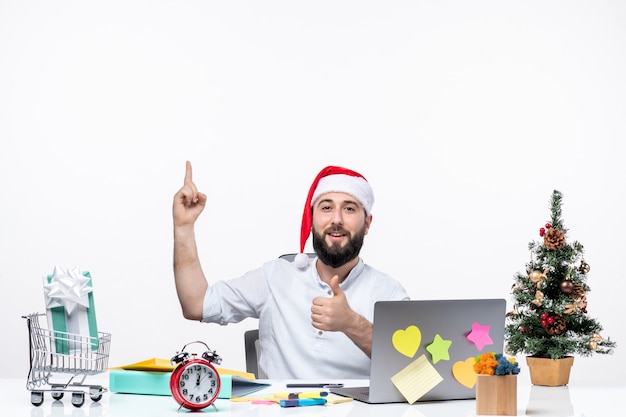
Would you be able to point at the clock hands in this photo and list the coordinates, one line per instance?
(206, 374)
(200, 378)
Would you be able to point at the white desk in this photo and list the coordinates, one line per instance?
(575, 400)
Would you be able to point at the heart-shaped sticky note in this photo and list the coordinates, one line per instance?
(407, 341)
(464, 373)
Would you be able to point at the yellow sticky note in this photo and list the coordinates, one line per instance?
(416, 379)
(336, 399)
(407, 341)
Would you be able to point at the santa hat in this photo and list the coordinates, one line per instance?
(332, 179)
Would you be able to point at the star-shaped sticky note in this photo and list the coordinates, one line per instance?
(439, 349)
(480, 335)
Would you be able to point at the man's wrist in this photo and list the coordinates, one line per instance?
(184, 231)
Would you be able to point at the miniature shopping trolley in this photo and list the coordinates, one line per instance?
(53, 352)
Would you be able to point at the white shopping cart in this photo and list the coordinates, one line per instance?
(53, 352)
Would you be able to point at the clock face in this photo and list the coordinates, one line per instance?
(195, 384)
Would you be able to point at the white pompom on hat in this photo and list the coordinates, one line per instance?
(338, 180)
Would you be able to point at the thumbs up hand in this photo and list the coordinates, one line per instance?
(332, 313)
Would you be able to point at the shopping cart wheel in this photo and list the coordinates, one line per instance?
(78, 399)
(36, 398)
(95, 393)
(57, 395)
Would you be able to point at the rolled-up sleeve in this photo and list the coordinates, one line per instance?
(236, 299)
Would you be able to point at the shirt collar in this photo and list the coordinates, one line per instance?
(352, 275)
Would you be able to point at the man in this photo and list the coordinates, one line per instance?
(314, 314)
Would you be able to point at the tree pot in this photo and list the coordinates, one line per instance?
(549, 372)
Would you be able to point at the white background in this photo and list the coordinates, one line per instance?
(464, 116)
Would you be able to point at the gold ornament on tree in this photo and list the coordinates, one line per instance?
(584, 267)
(538, 277)
(593, 344)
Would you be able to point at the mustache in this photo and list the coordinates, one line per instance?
(336, 229)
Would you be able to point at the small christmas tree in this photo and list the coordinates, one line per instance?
(550, 317)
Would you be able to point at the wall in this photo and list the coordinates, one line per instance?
(464, 116)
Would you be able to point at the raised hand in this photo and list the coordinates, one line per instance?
(188, 201)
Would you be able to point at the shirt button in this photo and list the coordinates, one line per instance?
(320, 332)
(329, 292)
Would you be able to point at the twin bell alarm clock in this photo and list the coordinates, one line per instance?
(195, 383)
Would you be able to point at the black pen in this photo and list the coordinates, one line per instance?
(315, 385)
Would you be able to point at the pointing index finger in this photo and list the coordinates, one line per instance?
(188, 179)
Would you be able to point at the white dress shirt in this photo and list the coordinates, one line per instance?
(280, 295)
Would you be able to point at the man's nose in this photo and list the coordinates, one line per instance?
(337, 217)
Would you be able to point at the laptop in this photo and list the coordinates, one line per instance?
(429, 346)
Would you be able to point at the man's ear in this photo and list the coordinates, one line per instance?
(368, 222)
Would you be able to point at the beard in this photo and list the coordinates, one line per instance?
(335, 255)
